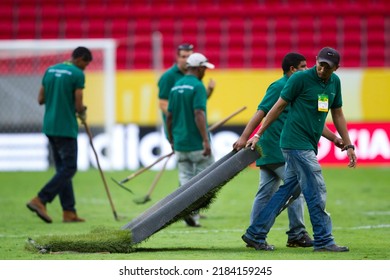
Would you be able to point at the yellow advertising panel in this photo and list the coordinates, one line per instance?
(366, 95)
(137, 93)
(375, 98)
(94, 97)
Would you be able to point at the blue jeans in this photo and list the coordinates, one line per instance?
(302, 171)
(270, 178)
(64, 151)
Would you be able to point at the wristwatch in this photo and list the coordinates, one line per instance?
(350, 146)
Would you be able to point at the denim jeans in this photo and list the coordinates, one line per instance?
(64, 151)
(302, 171)
(270, 179)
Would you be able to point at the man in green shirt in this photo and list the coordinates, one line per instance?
(272, 162)
(187, 124)
(311, 94)
(62, 94)
(175, 73)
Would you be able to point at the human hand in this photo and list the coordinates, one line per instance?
(82, 115)
(351, 155)
(339, 143)
(252, 142)
(239, 144)
(206, 148)
(211, 85)
(352, 158)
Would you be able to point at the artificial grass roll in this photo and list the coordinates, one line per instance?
(196, 195)
(99, 240)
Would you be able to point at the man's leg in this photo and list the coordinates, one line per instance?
(65, 158)
(258, 230)
(269, 183)
(297, 234)
(186, 172)
(200, 163)
(314, 190)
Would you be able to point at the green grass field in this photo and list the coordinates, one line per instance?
(358, 201)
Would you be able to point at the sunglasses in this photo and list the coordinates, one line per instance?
(185, 47)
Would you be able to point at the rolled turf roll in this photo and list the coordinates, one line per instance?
(196, 194)
(198, 177)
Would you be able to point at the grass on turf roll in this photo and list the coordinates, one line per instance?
(99, 240)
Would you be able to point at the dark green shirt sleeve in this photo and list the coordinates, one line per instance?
(200, 97)
(165, 84)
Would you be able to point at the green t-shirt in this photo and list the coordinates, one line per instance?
(166, 83)
(270, 140)
(60, 83)
(307, 93)
(188, 94)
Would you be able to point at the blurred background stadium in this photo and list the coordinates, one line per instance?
(246, 40)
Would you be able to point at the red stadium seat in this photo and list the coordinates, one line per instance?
(7, 30)
(261, 30)
(50, 28)
(98, 28)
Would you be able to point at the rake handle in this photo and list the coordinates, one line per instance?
(222, 122)
(157, 178)
(100, 169)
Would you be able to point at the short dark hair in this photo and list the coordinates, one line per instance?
(185, 47)
(82, 52)
(291, 59)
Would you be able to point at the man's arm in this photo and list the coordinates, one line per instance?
(210, 87)
(169, 128)
(272, 115)
(41, 96)
(341, 126)
(332, 137)
(81, 110)
(163, 104)
(79, 100)
(165, 84)
(249, 128)
(200, 120)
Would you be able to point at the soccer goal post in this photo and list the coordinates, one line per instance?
(22, 65)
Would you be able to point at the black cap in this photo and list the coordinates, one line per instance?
(330, 56)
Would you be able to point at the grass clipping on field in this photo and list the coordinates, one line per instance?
(99, 240)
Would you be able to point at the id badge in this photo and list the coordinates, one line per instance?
(323, 103)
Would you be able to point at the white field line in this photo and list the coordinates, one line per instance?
(273, 229)
(225, 230)
(377, 213)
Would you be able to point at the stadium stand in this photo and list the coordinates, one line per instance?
(233, 34)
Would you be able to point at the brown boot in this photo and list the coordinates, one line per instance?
(36, 205)
(71, 217)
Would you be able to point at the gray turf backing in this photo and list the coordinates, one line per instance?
(191, 196)
(198, 177)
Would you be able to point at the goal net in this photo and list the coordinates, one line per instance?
(22, 65)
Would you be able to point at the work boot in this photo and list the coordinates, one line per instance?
(192, 220)
(304, 241)
(332, 248)
(258, 246)
(36, 205)
(71, 217)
